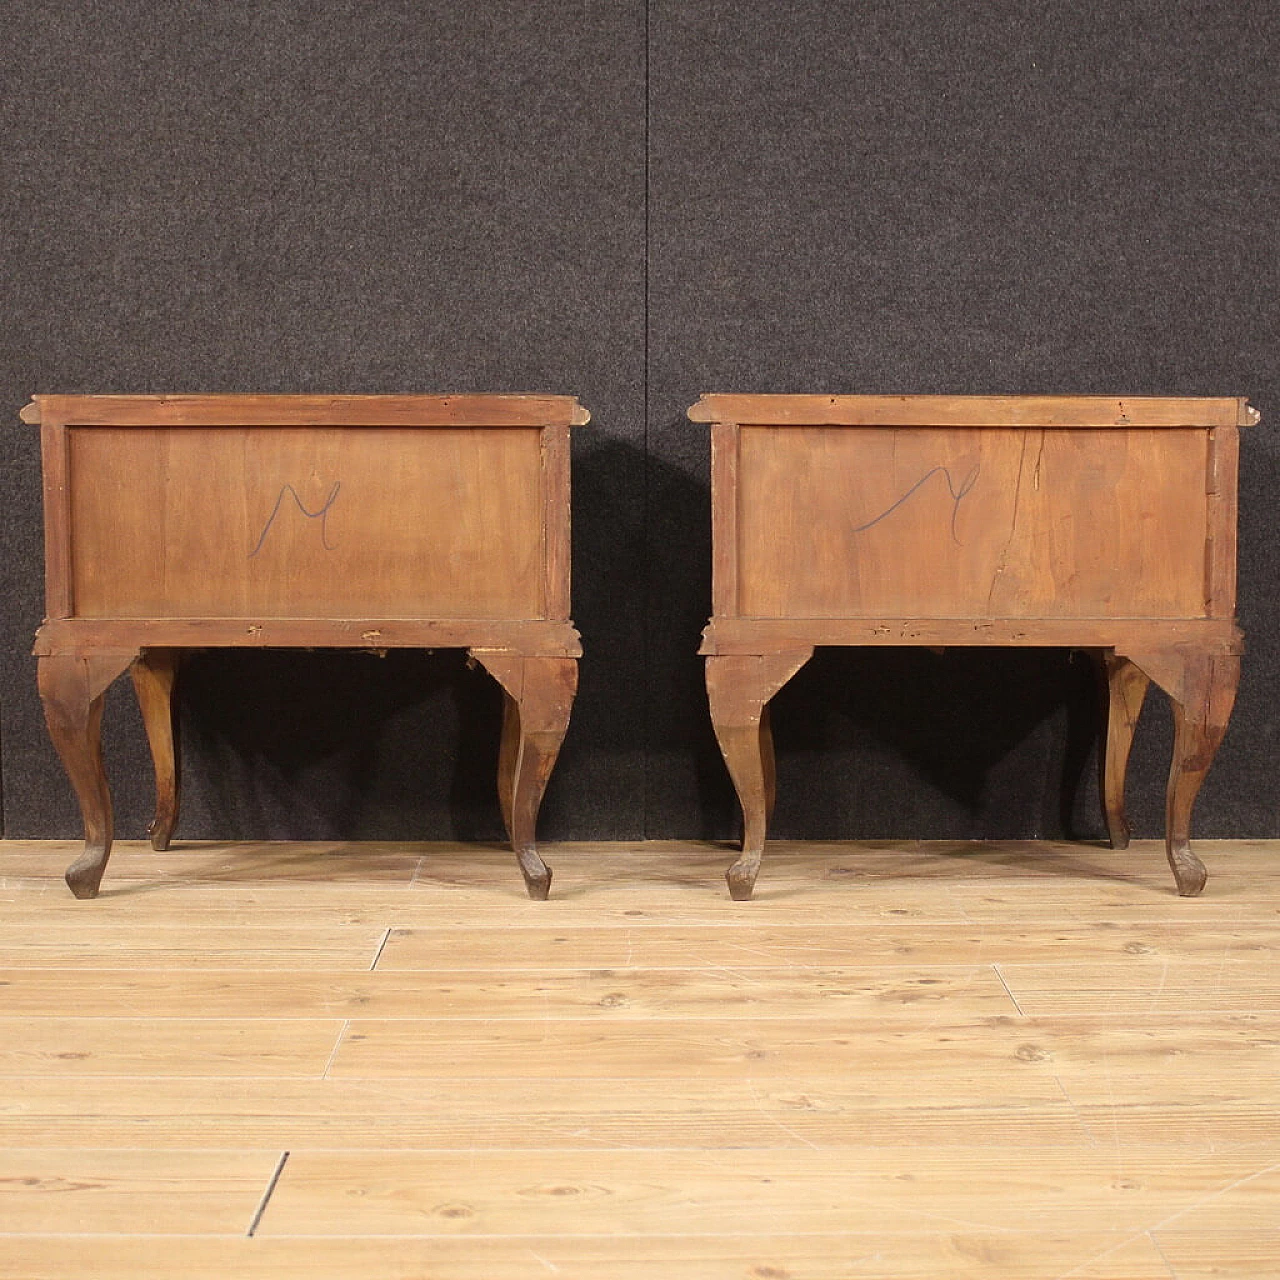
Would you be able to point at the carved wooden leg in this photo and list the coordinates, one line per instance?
(508, 755)
(154, 674)
(738, 689)
(1200, 723)
(1125, 688)
(768, 762)
(71, 689)
(1202, 689)
(541, 691)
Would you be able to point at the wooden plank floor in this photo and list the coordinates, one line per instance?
(900, 1060)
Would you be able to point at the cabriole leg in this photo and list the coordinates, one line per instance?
(508, 755)
(738, 690)
(768, 762)
(1200, 723)
(540, 693)
(1202, 690)
(154, 675)
(71, 691)
(1125, 689)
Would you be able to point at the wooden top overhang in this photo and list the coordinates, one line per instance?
(976, 411)
(496, 410)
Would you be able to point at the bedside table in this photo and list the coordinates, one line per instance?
(366, 522)
(1103, 522)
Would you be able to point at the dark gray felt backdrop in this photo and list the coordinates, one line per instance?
(637, 205)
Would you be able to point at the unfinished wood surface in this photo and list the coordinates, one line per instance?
(535, 1115)
(728, 1048)
(130, 1192)
(765, 635)
(77, 1045)
(890, 882)
(324, 1061)
(530, 635)
(851, 991)
(953, 1251)
(240, 410)
(627, 937)
(1223, 484)
(958, 523)
(1120, 412)
(943, 942)
(555, 511)
(291, 522)
(76, 944)
(445, 1194)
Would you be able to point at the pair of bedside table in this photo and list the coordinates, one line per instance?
(375, 522)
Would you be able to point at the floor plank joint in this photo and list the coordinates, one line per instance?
(902, 1059)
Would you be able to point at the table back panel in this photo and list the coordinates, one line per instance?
(850, 521)
(236, 521)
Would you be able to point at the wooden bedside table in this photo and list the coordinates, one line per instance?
(1103, 522)
(366, 522)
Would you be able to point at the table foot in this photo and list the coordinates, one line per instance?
(84, 875)
(738, 690)
(1189, 873)
(71, 691)
(741, 877)
(154, 675)
(537, 875)
(538, 699)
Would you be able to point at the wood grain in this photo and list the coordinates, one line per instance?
(1223, 485)
(724, 519)
(764, 635)
(537, 1113)
(943, 1059)
(371, 522)
(1097, 522)
(219, 1047)
(443, 1193)
(803, 946)
(70, 946)
(1164, 986)
(1202, 1255)
(956, 1252)
(989, 522)
(975, 411)
(557, 521)
(219, 522)
(203, 410)
(782, 1047)
(139, 1192)
(490, 994)
(56, 475)
(532, 636)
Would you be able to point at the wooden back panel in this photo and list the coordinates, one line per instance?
(956, 522)
(859, 507)
(286, 522)
(456, 508)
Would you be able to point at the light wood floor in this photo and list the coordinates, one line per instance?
(383, 1061)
